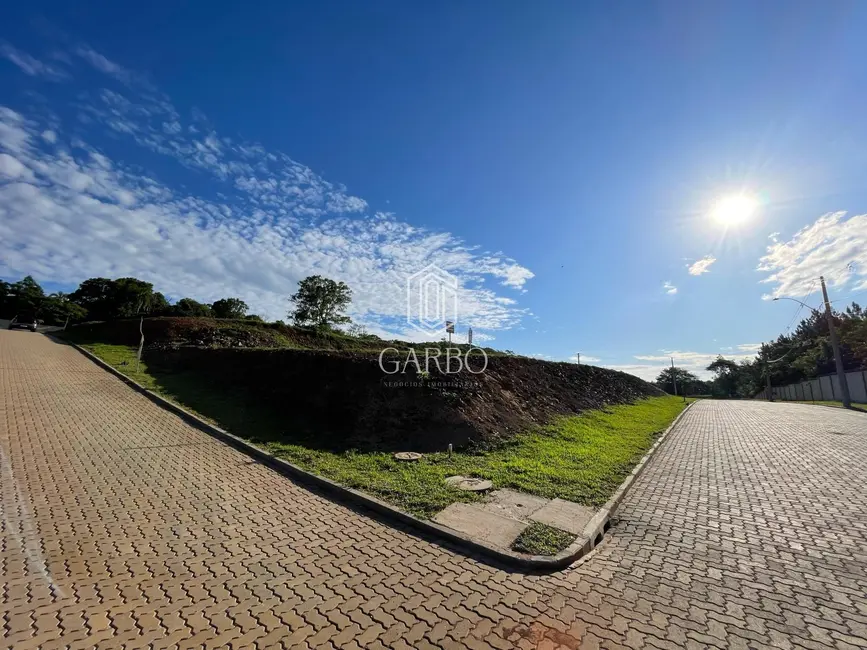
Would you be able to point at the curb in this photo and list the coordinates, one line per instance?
(852, 409)
(596, 528)
(592, 536)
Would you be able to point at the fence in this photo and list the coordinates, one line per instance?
(820, 389)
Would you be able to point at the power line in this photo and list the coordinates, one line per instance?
(810, 290)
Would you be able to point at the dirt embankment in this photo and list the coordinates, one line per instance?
(330, 390)
(343, 400)
(172, 332)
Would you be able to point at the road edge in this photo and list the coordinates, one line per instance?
(592, 536)
(851, 409)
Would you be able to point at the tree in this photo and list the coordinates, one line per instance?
(28, 295)
(722, 366)
(131, 297)
(57, 308)
(319, 302)
(6, 296)
(254, 317)
(726, 375)
(686, 381)
(229, 308)
(190, 307)
(95, 295)
(105, 299)
(360, 332)
(24, 296)
(159, 304)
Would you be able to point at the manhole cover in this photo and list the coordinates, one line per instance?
(407, 455)
(469, 484)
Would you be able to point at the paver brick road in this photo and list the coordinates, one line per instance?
(125, 528)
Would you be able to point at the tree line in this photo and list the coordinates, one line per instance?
(319, 302)
(802, 353)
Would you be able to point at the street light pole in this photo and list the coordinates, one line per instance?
(673, 379)
(835, 343)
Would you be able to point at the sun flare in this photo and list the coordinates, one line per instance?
(733, 210)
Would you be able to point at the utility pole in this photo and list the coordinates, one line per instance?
(835, 343)
(673, 380)
(769, 392)
(578, 358)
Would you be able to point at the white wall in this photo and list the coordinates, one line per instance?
(824, 388)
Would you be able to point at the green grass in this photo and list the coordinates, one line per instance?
(123, 358)
(539, 539)
(582, 458)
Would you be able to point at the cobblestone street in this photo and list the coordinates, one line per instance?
(123, 527)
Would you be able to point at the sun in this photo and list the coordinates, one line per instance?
(733, 210)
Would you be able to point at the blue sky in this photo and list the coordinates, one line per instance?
(561, 159)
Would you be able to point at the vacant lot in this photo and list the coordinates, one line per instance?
(581, 458)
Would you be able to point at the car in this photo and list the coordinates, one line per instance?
(24, 321)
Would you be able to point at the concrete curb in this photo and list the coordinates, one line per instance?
(593, 532)
(853, 409)
(596, 528)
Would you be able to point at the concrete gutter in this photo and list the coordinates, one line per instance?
(593, 532)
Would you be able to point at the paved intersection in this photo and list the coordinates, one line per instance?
(122, 527)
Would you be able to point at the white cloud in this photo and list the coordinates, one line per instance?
(644, 371)
(669, 288)
(512, 275)
(702, 265)
(13, 135)
(12, 169)
(30, 65)
(688, 359)
(585, 358)
(774, 237)
(69, 214)
(111, 68)
(831, 246)
(694, 362)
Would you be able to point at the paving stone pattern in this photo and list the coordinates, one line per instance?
(122, 527)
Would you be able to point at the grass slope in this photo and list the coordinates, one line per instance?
(581, 458)
(162, 331)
